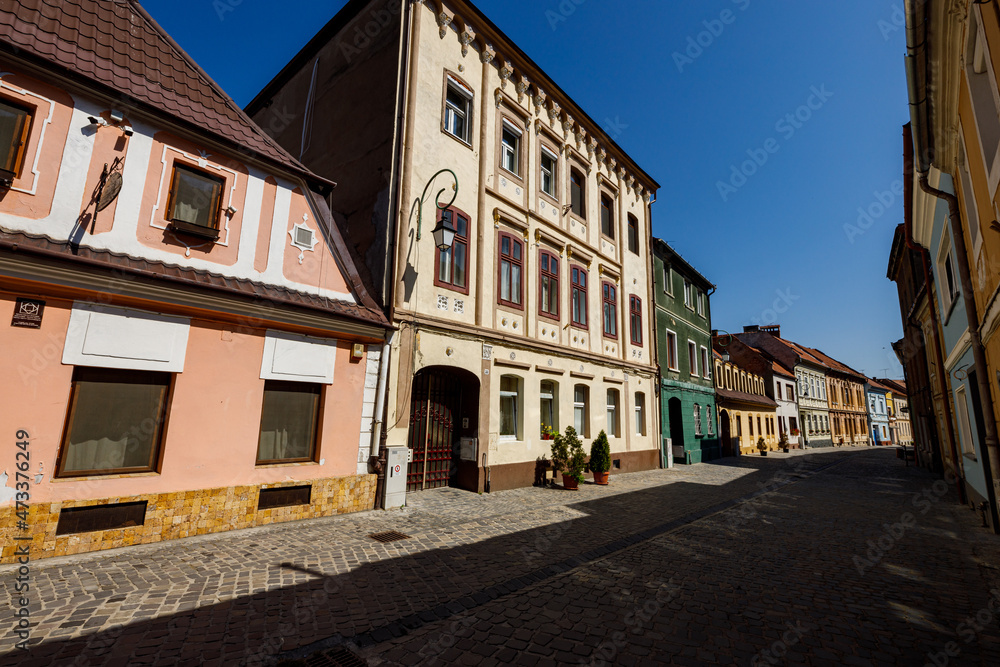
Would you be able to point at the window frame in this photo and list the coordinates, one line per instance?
(518, 395)
(464, 90)
(606, 286)
(613, 416)
(635, 319)
(520, 263)
(583, 428)
(464, 240)
(552, 396)
(553, 278)
(316, 425)
(640, 413)
(610, 200)
(693, 357)
(697, 420)
(582, 213)
(633, 234)
(507, 125)
(92, 374)
(192, 228)
(706, 367)
(543, 152)
(668, 280)
(20, 151)
(576, 287)
(673, 360)
(688, 300)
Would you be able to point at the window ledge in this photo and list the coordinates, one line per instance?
(90, 478)
(193, 230)
(507, 171)
(457, 138)
(971, 457)
(286, 465)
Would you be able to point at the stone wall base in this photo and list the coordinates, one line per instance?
(518, 475)
(181, 514)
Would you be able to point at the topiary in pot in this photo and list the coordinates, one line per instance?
(783, 443)
(600, 458)
(572, 458)
(762, 446)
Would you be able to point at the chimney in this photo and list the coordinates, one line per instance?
(774, 330)
(752, 328)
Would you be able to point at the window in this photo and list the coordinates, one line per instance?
(964, 423)
(697, 419)
(668, 280)
(640, 413)
(979, 72)
(195, 198)
(791, 392)
(759, 429)
(548, 181)
(453, 263)
(971, 208)
(672, 354)
(511, 264)
(549, 404)
(613, 413)
(458, 111)
(609, 296)
(710, 418)
(578, 279)
(700, 301)
(510, 148)
(633, 234)
(750, 423)
(693, 357)
(510, 403)
(607, 217)
(581, 421)
(289, 422)
(946, 271)
(635, 319)
(577, 191)
(548, 286)
(705, 368)
(687, 295)
(15, 125)
(115, 422)
(793, 424)
(777, 391)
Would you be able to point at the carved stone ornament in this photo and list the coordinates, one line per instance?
(466, 37)
(443, 21)
(567, 125)
(505, 73)
(580, 134)
(522, 89)
(630, 182)
(554, 111)
(647, 197)
(498, 96)
(538, 126)
(539, 100)
(612, 164)
(591, 147)
(602, 156)
(487, 54)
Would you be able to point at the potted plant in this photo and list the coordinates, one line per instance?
(783, 443)
(600, 458)
(568, 456)
(547, 432)
(762, 446)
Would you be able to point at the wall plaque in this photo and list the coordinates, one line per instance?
(28, 313)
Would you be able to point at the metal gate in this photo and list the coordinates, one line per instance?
(435, 402)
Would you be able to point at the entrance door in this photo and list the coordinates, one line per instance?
(443, 410)
(674, 412)
(726, 430)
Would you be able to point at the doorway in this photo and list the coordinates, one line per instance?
(444, 409)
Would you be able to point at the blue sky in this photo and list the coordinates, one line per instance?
(807, 98)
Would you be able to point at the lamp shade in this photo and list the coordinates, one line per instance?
(444, 235)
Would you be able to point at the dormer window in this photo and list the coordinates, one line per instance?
(195, 200)
(15, 124)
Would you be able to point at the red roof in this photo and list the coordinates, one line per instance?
(117, 44)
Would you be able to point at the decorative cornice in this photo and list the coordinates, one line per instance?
(466, 37)
(443, 21)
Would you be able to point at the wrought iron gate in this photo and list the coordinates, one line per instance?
(435, 402)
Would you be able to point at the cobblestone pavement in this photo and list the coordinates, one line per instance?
(710, 563)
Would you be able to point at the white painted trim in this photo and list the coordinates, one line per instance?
(107, 337)
(41, 136)
(297, 358)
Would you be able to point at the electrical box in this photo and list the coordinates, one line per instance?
(397, 461)
(469, 449)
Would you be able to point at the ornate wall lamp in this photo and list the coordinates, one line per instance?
(444, 234)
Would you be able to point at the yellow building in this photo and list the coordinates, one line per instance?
(746, 413)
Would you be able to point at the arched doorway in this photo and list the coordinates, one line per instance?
(726, 432)
(676, 416)
(444, 408)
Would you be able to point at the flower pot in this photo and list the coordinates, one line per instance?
(570, 483)
(601, 478)
(763, 453)
(786, 450)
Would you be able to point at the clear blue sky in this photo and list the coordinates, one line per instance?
(777, 238)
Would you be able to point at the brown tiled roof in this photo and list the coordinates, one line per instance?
(836, 365)
(780, 370)
(117, 44)
(743, 397)
(194, 278)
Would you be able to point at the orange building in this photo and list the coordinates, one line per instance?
(190, 347)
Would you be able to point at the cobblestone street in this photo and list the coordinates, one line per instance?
(831, 557)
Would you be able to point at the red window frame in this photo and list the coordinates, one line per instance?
(578, 285)
(449, 215)
(609, 298)
(635, 319)
(548, 270)
(514, 260)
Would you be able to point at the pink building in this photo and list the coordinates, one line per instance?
(187, 346)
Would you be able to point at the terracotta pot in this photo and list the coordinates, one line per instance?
(570, 483)
(601, 478)
(764, 453)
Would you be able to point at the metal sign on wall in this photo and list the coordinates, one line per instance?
(28, 313)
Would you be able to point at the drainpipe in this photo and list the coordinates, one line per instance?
(928, 282)
(989, 450)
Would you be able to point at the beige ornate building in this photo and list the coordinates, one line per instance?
(539, 312)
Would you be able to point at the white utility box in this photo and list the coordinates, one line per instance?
(395, 476)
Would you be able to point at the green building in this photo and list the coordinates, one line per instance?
(689, 422)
